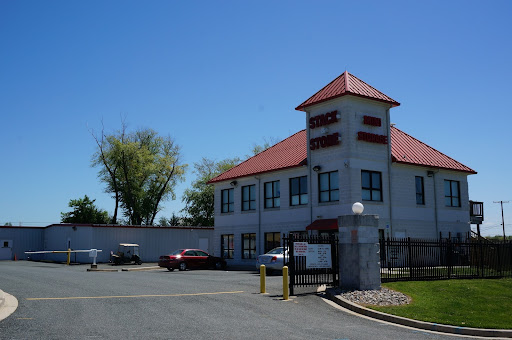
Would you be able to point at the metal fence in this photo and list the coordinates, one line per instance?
(413, 259)
(301, 272)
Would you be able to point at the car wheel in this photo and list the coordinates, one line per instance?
(183, 266)
(219, 265)
(170, 269)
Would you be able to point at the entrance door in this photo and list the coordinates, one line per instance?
(5, 249)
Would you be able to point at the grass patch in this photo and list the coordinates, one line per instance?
(466, 303)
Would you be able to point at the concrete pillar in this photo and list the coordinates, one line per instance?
(359, 252)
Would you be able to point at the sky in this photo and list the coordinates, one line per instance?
(222, 76)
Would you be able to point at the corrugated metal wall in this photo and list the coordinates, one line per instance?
(20, 239)
(153, 241)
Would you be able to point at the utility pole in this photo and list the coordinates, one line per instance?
(502, 219)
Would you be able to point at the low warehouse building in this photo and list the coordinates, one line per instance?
(153, 241)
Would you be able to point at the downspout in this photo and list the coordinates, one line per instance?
(389, 174)
(435, 203)
(310, 189)
(260, 251)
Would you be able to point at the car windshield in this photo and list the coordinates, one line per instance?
(278, 250)
(176, 252)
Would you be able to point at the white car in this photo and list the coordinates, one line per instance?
(273, 260)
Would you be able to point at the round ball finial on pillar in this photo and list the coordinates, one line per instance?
(357, 208)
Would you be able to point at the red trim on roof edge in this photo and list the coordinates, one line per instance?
(355, 87)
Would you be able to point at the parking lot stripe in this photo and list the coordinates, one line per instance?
(131, 296)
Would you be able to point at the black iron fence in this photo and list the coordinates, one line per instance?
(310, 269)
(413, 259)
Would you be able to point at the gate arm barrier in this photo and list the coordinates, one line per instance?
(92, 253)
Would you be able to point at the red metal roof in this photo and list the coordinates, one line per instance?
(324, 224)
(289, 153)
(292, 152)
(347, 84)
(406, 149)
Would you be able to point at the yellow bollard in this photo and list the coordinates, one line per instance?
(69, 257)
(262, 279)
(286, 294)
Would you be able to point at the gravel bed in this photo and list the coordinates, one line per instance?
(382, 297)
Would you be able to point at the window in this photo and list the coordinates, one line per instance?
(227, 201)
(371, 183)
(249, 197)
(299, 190)
(272, 195)
(272, 240)
(248, 246)
(227, 246)
(451, 193)
(420, 192)
(329, 187)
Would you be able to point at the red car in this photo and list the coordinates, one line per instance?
(190, 258)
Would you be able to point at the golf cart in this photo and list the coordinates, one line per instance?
(126, 253)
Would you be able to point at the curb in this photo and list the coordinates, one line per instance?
(8, 304)
(140, 269)
(491, 333)
(101, 270)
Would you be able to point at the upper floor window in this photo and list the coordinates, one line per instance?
(227, 201)
(451, 193)
(299, 190)
(249, 197)
(272, 194)
(371, 184)
(420, 190)
(328, 186)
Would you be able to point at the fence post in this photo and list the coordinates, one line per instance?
(498, 255)
(449, 250)
(334, 261)
(481, 246)
(291, 261)
(409, 251)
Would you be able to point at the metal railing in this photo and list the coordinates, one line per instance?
(414, 259)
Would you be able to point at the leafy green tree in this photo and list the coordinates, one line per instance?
(140, 169)
(267, 143)
(173, 221)
(84, 211)
(199, 204)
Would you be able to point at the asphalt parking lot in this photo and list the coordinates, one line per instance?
(68, 302)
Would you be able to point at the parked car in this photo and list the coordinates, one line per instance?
(273, 260)
(183, 259)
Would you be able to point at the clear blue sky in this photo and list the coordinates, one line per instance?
(219, 76)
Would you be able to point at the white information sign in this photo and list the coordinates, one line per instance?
(318, 256)
(300, 248)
